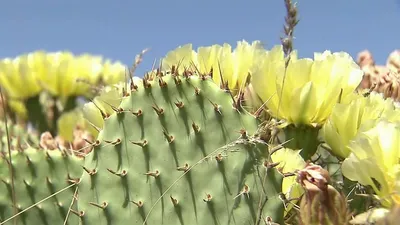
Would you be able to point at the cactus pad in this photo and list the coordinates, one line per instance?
(177, 151)
(20, 138)
(43, 184)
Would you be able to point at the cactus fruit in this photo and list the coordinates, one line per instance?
(41, 188)
(178, 151)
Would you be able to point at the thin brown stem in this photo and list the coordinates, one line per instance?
(287, 41)
(290, 23)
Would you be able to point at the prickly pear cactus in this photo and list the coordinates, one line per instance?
(177, 151)
(20, 138)
(42, 186)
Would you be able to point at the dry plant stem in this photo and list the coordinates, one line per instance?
(138, 60)
(70, 206)
(9, 157)
(287, 41)
(290, 23)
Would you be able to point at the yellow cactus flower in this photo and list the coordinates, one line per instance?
(19, 76)
(347, 118)
(374, 160)
(94, 118)
(114, 73)
(307, 92)
(252, 102)
(18, 107)
(57, 64)
(234, 67)
(183, 58)
(219, 60)
(109, 97)
(67, 123)
(84, 67)
(57, 73)
(207, 58)
(269, 66)
(289, 161)
(244, 57)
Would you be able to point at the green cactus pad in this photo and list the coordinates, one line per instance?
(20, 138)
(177, 152)
(43, 184)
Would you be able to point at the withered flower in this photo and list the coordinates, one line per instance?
(321, 202)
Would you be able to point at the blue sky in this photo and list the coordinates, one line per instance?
(121, 29)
